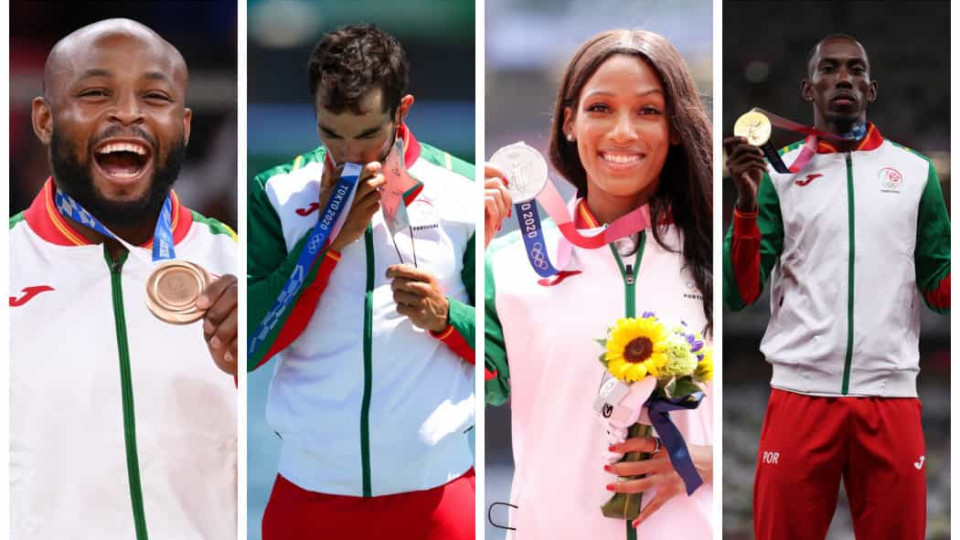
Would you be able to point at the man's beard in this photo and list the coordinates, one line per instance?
(76, 181)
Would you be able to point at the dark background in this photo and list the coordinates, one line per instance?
(765, 48)
(206, 35)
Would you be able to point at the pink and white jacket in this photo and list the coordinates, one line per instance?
(541, 353)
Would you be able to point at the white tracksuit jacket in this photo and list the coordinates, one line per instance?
(366, 404)
(540, 351)
(121, 425)
(852, 242)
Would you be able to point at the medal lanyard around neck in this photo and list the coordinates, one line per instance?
(317, 239)
(532, 230)
(529, 183)
(162, 234)
(809, 148)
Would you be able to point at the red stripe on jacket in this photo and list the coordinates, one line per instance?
(745, 255)
(303, 310)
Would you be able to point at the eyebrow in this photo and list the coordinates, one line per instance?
(96, 72)
(100, 72)
(158, 76)
(363, 133)
(638, 94)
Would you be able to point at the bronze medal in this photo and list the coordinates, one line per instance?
(172, 291)
(754, 126)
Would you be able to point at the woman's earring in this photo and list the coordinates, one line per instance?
(569, 137)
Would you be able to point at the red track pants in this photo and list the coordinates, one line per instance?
(443, 513)
(810, 443)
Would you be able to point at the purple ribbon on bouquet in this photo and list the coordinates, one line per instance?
(659, 408)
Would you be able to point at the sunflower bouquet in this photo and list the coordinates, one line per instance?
(664, 364)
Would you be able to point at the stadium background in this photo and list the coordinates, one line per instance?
(438, 37)
(528, 44)
(765, 47)
(207, 39)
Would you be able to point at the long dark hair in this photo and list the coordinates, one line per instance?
(685, 191)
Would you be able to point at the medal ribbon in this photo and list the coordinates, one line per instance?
(529, 219)
(659, 408)
(162, 234)
(328, 218)
(809, 148)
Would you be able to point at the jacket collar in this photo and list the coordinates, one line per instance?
(871, 141)
(583, 218)
(44, 219)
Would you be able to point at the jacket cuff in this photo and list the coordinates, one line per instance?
(745, 225)
(461, 326)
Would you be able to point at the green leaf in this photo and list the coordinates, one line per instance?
(670, 388)
(603, 359)
(685, 386)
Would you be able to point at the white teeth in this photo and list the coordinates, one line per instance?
(123, 147)
(621, 158)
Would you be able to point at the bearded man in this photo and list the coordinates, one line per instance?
(121, 425)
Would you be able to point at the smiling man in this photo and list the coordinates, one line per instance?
(851, 244)
(372, 395)
(123, 425)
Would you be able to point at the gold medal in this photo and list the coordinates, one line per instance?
(172, 291)
(754, 126)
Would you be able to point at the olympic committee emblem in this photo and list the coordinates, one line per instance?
(890, 180)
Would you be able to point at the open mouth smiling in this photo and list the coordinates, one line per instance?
(123, 161)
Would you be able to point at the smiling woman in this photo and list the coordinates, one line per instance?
(622, 134)
(630, 133)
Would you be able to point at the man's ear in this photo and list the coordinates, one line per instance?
(187, 117)
(872, 93)
(806, 91)
(405, 103)
(42, 118)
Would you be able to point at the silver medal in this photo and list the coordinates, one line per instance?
(525, 169)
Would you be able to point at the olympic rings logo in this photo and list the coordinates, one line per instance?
(538, 256)
(314, 244)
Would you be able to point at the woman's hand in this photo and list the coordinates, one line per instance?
(497, 202)
(659, 472)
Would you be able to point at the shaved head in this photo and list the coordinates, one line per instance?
(62, 58)
(814, 53)
(113, 114)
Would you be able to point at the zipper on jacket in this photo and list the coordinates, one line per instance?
(126, 389)
(629, 273)
(848, 357)
(367, 365)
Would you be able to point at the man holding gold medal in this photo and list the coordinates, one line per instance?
(123, 416)
(361, 290)
(853, 233)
